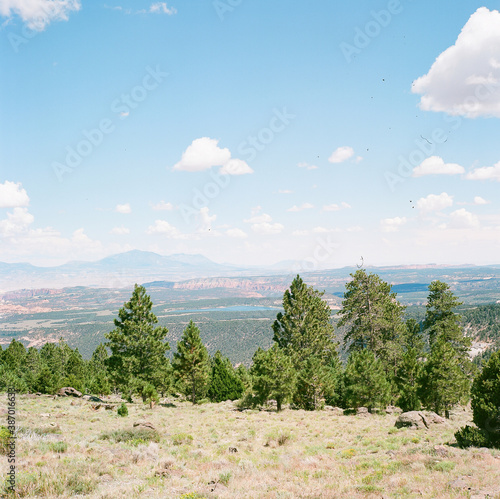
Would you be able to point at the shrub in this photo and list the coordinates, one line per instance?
(134, 435)
(4, 440)
(122, 410)
(469, 436)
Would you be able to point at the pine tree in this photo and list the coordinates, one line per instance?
(137, 344)
(365, 381)
(443, 382)
(97, 372)
(224, 384)
(305, 327)
(305, 334)
(191, 363)
(316, 381)
(410, 368)
(273, 376)
(373, 317)
(486, 399)
(446, 376)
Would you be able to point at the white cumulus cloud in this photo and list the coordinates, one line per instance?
(13, 195)
(435, 202)
(205, 153)
(302, 207)
(235, 167)
(37, 14)
(162, 8)
(485, 173)
(463, 219)
(480, 200)
(162, 206)
(17, 221)
(336, 207)
(434, 165)
(163, 227)
(465, 78)
(123, 208)
(392, 224)
(341, 154)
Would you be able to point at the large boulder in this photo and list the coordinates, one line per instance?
(67, 391)
(417, 419)
(411, 419)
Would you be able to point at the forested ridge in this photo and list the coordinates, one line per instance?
(389, 356)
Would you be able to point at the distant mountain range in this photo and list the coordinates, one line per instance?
(124, 269)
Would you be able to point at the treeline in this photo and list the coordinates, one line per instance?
(391, 359)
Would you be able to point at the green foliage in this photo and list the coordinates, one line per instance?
(122, 410)
(4, 440)
(225, 384)
(305, 329)
(410, 368)
(191, 363)
(365, 381)
(182, 438)
(372, 315)
(443, 382)
(470, 436)
(135, 435)
(137, 346)
(304, 332)
(315, 382)
(486, 399)
(273, 376)
(445, 378)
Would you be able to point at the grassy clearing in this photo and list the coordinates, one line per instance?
(211, 450)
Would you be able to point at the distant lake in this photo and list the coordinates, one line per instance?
(234, 308)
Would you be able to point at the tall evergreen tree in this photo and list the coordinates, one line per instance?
(365, 381)
(191, 363)
(447, 373)
(443, 382)
(305, 334)
(372, 316)
(273, 376)
(486, 400)
(305, 327)
(224, 384)
(410, 368)
(137, 344)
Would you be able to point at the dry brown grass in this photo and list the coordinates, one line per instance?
(212, 450)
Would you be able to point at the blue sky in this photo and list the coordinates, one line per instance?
(250, 132)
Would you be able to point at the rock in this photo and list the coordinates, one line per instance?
(459, 484)
(45, 415)
(433, 418)
(109, 407)
(95, 407)
(67, 391)
(216, 485)
(411, 419)
(392, 409)
(362, 411)
(144, 424)
(232, 450)
(337, 410)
